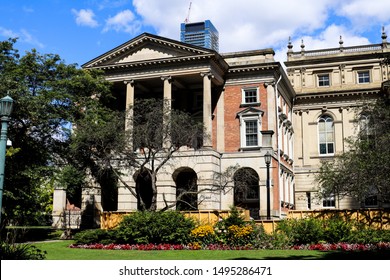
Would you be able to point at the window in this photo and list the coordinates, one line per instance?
(365, 126)
(250, 128)
(323, 80)
(308, 199)
(371, 201)
(326, 135)
(329, 201)
(251, 133)
(250, 96)
(363, 77)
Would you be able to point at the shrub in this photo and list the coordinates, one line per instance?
(203, 235)
(92, 236)
(337, 230)
(240, 235)
(234, 218)
(20, 252)
(366, 235)
(302, 231)
(155, 227)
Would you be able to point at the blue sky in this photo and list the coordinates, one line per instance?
(80, 30)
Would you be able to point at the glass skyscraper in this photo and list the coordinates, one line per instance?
(202, 34)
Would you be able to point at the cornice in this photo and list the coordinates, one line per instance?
(336, 94)
(139, 41)
(155, 62)
(251, 68)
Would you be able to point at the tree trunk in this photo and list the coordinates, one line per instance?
(153, 205)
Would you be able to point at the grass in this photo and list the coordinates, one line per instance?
(58, 250)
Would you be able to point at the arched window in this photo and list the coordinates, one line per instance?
(247, 191)
(186, 189)
(326, 135)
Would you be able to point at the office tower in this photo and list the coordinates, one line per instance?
(202, 34)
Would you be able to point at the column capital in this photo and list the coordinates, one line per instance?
(207, 74)
(131, 82)
(167, 78)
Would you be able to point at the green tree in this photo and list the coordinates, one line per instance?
(363, 171)
(155, 132)
(49, 95)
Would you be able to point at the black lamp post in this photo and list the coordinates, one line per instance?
(267, 159)
(6, 104)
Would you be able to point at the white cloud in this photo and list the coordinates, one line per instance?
(328, 38)
(8, 33)
(377, 10)
(22, 36)
(85, 17)
(242, 25)
(123, 21)
(253, 24)
(28, 38)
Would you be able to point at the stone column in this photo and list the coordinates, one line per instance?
(167, 109)
(207, 113)
(59, 205)
(221, 122)
(130, 89)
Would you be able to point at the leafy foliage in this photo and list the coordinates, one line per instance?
(156, 132)
(303, 231)
(363, 170)
(155, 227)
(49, 96)
(93, 236)
(20, 252)
(333, 230)
(235, 218)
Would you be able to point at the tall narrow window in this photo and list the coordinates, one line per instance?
(308, 199)
(251, 133)
(250, 128)
(326, 135)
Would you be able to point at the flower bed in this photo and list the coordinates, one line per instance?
(344, 247)
(158, 247)
(195, 246)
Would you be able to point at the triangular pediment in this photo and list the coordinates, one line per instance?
(250, 111)
(146, 47)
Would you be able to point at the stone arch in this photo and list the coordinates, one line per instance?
(322, 113)
(143, 188)
(247, 191)
(186, 188)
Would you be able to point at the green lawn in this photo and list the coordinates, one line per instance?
(58, 250)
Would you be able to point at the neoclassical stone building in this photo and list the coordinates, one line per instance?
(249, 106)
(329, 85)
(245, 102)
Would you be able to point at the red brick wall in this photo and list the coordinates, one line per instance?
(232, 100)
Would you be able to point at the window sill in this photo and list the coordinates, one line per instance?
(244, 105)
(325, 156)
(254, 148)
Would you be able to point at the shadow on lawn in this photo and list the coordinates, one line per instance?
(334, 255)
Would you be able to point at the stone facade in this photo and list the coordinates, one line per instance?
(232, 94)
(249, 106)
(330, 84)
